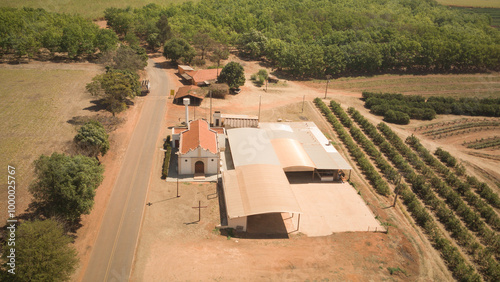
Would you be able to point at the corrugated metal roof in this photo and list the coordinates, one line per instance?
(292, 155)
(238, 116)
(341, 162)
(316, 145)
(258, 189)
(185, 67)
(251, 146)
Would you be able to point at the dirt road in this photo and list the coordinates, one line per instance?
(113, 252)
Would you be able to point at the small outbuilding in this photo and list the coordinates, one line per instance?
(235, 121)
(183, 69)
(200, 77)
(194, 93)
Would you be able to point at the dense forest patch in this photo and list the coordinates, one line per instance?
(312, 38)
(318, 37)
(24, 32)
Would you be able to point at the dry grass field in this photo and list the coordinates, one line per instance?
(37, 100)
(452, 85)
(92, 9)
(471, 3)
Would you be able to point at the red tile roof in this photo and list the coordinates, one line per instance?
(198, 135)
(203, 75)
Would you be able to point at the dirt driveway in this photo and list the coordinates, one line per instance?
(332, 207)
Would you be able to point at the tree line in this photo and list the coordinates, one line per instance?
(23, 32)
(318, 37)
(399, 108)
(305, 38)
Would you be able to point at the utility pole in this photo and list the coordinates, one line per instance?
(303, 100)
(327, 80)
(260, 100)
(210, 107)
(178, 187)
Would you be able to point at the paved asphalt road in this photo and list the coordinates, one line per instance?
(113, 252)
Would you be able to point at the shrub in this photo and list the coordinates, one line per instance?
(396, 117)
(260, 77)
(219, 90)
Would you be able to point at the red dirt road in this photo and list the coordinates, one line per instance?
(114, 249)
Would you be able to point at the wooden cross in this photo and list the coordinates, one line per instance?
(199, 207)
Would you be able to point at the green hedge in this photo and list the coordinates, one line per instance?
(166, 161)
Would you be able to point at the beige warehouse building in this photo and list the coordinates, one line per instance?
(264, 158)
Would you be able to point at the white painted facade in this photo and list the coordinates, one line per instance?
(186, 162)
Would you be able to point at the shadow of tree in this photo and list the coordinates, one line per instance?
(98, 105)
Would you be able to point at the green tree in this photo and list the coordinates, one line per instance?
(106, 40)
(233, 75)
(92, 139)
(79, 39)
(51, 39)
(116, 87)
(164, 29)
(121, 21)
(126, 58)
(65, 185)
(203, 42)
(253, 43)
(179, 49)
(43, 253)
(153, 41)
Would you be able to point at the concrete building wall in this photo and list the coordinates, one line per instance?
(239, 221)
(175, 137)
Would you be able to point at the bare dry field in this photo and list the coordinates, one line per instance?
(450, 85)
(38, 100)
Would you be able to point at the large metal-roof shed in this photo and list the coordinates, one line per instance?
(258, 189)
(261, 156)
